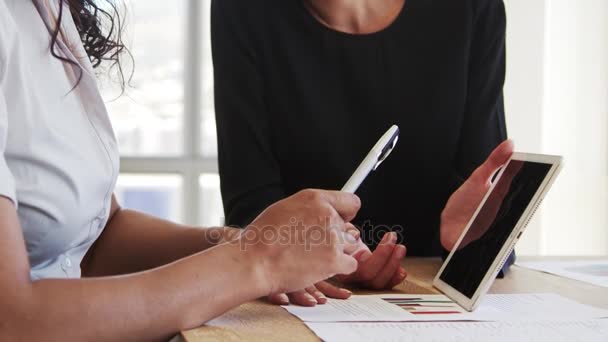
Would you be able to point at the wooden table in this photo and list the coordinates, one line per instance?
(259, 321)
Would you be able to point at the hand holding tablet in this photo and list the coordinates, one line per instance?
(463, 203)
(495, 226)
(483, 220)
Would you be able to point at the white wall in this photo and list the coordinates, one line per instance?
(576, 125)
(557, 103)
(524, 90)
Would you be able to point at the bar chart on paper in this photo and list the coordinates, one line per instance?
(425, 305)
(439, 308)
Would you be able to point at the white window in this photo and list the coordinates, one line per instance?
(557, 103)
(165, 121)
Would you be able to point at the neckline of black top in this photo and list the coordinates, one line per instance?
(341, 34)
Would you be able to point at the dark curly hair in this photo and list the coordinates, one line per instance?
(100, 28)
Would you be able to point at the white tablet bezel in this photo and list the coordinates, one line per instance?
(471, 304)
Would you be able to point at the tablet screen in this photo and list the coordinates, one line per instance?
(493, 225)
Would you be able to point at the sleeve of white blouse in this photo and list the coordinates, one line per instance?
(7, 182)
(7, 39)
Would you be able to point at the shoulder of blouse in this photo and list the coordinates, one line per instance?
(7, 36)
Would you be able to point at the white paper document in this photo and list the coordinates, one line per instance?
(593, 272)
(588, 331)
(435, 308)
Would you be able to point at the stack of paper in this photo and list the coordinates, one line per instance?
(513, 317)
(587, 331)
(593, 272)
(412, 308)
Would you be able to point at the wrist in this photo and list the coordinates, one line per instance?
(259, 266)
(230, 234)
(219, 235)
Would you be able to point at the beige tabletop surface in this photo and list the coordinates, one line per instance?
(260, 321)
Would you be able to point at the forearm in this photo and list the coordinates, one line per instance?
(133, 242)
(147, 306)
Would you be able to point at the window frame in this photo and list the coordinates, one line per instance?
(191, 164)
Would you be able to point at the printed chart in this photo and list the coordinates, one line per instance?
(425, 305)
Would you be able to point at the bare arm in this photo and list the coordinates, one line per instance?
(155, 304)
(149, 305)
(133, 242)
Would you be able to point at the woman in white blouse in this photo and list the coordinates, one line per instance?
(59, 219)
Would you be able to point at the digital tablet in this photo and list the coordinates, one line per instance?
(491, 234)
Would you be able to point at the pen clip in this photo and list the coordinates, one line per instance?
(387, 149)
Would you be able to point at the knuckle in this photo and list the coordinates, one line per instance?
(312, 195)
(325, 209)
(356, 202)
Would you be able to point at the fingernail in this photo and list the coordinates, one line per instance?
(347, 291)
(311, 299)
(321, 299)
(400, 250)
(350, 238)
(385, 238)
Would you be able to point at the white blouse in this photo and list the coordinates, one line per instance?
(58, 154)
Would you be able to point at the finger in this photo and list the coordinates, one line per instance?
(381, 281)
(362, 255)
(302, 298)
(279, 299)
(398, 278)
(343, 263)
(342, 240)
(498, 158)
(373, 264)
(361, 249)
(352, 230)
(318, 295)
(350, 245)
(333, 291)
(347, 205)
(503, 185)
(348, 264)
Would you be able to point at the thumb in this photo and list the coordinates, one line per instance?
(499, 157)
(350, 243)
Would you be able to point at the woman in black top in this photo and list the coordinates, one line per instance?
(304, 88)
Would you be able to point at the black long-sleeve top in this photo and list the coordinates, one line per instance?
(299, 105)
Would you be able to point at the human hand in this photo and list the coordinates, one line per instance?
(464, 202)
(378, 270)
(303, 239)
(312, 295)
